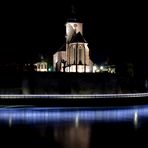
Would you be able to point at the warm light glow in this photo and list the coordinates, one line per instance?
(107, 68)
(80, 68)
(41, 66)
(94, 68)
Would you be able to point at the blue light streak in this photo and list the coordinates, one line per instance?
(30, 115)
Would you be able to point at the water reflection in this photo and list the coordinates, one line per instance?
(10, 121)
(136, 119)
(74, 128)
(73, 136)
(86, 115)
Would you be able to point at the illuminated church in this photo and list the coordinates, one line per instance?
(73, 56)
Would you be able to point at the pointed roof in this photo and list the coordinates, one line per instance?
(63, 47)
(73, 14)
(78, 38)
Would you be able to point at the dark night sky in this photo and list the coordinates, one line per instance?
(115, 30)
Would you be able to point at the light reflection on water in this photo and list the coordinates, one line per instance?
(49, 115)
(72, 127)
(73, 136)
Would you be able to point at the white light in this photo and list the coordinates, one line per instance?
(136, 119)
(69, 96)
(101, 67)
(94, 68)
(77, 120)
(10, 121)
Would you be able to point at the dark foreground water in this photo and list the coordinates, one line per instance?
(74, 127)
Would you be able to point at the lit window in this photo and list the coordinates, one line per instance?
(38, 66)
(41, 66)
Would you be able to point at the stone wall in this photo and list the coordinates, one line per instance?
(65, 83)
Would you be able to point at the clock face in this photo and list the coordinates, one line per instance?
(75, 25)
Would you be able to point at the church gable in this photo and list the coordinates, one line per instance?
(78, 38)
(63, 48)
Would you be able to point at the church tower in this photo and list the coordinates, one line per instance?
(72, 28)
(73, 25)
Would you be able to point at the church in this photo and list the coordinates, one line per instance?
(73, 56)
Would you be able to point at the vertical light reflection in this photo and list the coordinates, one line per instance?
(73, 137)
(10, 121)
(77, 120)
(136, 119)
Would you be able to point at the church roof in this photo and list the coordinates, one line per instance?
(73, 15)
(78, 38)
(63, 47)
(74, 19)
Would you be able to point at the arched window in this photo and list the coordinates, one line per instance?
(80, 54)
(38, 66)
(45, 66)
(41, 66)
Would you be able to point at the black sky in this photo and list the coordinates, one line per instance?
(114, 30)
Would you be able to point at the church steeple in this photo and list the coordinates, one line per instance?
(73, 9)
(73, 15)
(73, 24)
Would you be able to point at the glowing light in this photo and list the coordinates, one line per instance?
(41, 66)
(75, 96)
(94, 68)
(101, 67)
(135, 119)
(49, 69)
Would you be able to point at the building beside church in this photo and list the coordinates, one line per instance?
(41, 66)
(73, 56)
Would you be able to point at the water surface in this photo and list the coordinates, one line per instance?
(74, 127)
